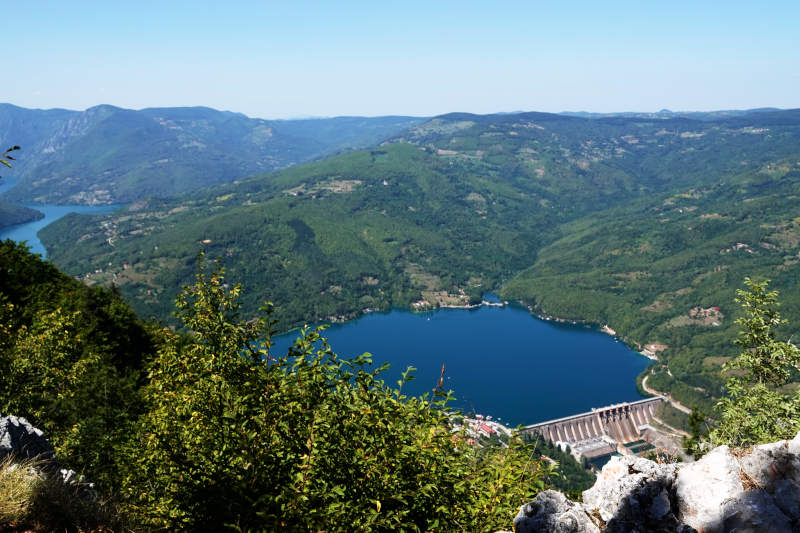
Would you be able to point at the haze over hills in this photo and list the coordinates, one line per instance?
(666, 113)
(107, 154)
(647, 224)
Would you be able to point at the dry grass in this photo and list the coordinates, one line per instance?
(748, 483)
(19, 485)
(31, 500)
(663, 456)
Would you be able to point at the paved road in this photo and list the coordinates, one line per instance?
(675, 403)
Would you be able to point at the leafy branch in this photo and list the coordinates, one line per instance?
(6, 158)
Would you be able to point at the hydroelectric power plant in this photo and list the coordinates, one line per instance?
(623, 429)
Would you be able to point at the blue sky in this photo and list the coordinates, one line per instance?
(289, 59)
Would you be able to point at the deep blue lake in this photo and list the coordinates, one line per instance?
(499, 361)
(27, 231)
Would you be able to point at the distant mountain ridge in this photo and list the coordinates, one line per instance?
(108, 154)
(666, 113)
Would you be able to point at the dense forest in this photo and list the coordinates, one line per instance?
(72, 358)
(664, 274)
(647, 224)
(11, 214)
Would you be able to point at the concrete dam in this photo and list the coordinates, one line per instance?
(602, 431)
(621, 422)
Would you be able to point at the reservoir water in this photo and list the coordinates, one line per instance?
(28, 230)
(499, 361)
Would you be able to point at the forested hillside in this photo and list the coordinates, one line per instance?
(72, 359)
(11, 214)
(663, 272)
(647, 224)
(203, 430)
(369, 229)
(109, 155)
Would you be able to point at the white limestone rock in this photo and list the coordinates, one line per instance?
(719, 493)
(754, 511)
(787, 497)
(704, 488)
(632, 482)
(552, 512)
(19, 438)
(633, 494)
(794, 445)
(770, 463)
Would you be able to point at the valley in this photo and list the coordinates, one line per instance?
(645, 224)
(424, 267)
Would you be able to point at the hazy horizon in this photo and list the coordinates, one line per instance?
(319, 117)
(316, 59)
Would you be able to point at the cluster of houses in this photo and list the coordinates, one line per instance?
(483, 427)
(704, 312)
(736, 247)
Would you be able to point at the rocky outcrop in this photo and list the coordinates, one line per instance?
(552, 511)
(19, 438)
(725, 491)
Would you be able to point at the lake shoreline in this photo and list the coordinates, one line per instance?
(31, 215)
(605, 328)
(28, 231)
(585, 324)
(500, 359)
(54, 212)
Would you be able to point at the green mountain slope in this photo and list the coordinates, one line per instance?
(11, 214)
(109, 155)
(156, 419)
(460, 204)
(362, 230)
(663, 272)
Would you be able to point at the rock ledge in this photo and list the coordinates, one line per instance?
(722, 492)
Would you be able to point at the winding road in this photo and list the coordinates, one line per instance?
(675, 403)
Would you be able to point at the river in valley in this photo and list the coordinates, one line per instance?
(52, 212)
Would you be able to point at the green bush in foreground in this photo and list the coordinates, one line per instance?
(755, 409)
(71, 360)
(236, 436)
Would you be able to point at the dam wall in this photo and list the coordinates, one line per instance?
(621, 422)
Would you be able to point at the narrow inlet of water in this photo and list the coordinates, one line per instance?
(28, 231)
